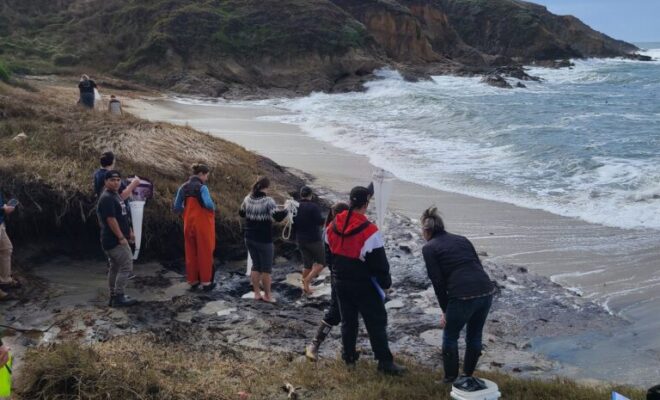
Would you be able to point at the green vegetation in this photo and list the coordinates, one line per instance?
(5, 75)
(152, 367)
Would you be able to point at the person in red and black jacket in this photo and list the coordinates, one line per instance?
(361, 271)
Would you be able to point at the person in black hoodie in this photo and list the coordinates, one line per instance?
(259, 211)
(464, 291)
(307, 224)
(361, 272)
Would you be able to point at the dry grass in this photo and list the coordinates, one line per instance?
(142, 367)
(51, 171)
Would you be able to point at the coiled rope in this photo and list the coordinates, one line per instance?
(292, 207)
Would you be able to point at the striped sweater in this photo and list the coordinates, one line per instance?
(259, 212)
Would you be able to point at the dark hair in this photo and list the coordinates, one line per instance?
(359, 198)
(305, 191)
(432, 222)
(336, 209)
(107, 159)
(653, 393)
(261, 184)
(199, 168)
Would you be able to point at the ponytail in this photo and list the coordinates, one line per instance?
(432, 222)
(261, 184)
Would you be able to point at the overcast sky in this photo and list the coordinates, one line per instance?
(630, 20)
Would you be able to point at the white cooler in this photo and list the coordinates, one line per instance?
(492, 392)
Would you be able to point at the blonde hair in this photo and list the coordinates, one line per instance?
(431, 221)
(84, 78)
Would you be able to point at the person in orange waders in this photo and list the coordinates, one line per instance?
(194, 200)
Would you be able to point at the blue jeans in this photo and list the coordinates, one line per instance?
(460, 313)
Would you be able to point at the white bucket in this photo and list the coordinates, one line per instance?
(492, 392)
(137, 214)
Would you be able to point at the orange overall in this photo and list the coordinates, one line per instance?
(199, 234)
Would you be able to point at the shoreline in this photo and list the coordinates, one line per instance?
(509, 234)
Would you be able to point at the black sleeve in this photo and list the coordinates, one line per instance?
(379, 267)
(93, 84)
(279, 216)
(319, 217)
(434, 271)
(107, 208)
(328, 255)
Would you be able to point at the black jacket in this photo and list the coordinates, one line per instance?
(308, 222)
(454, 268)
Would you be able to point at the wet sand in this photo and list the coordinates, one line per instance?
(613, 267)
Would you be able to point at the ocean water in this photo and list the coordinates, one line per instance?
(583, 143)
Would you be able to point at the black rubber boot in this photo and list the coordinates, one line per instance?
(312, 351)
(121, 300)
(209, 287)
(390, 368)
(470, 361)
(450, 363)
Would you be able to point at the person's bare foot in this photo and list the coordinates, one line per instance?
(307, 288)
(257, 296)
(268, 299)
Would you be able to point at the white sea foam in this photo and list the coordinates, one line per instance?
(582, 143)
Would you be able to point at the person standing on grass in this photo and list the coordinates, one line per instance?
(332, 316)
(194, 200)
(86, 87)
(358, 263)
(464, 291)
(307, 224)
(259, 211)
(6, 250)
(116, 234)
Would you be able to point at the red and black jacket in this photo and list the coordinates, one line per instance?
(358, 252)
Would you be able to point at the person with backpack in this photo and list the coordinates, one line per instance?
(193, 200)
(332, 316)
(259, 211)
(464, 292)
(361, 272)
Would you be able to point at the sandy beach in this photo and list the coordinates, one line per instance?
(616, 268)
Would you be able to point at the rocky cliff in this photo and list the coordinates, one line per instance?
(238, 47)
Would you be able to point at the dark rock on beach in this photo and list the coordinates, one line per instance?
(496, 81)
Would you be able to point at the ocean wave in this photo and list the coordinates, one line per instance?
(582, 143)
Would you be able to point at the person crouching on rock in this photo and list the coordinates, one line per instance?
(332, 316)
(464, 291)
(307, 224)
(259, 211)
(116, 233)
(193, 199)
(358, 255)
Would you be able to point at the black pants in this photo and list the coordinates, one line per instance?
(332, 316)
(470, 314)
(361, 298)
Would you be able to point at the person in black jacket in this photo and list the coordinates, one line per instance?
(361, 272)
(307, 224)
(464, 291)
(332, 315)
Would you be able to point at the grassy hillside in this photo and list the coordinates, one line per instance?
(50, 172)
(152, 366)
(244, 47)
